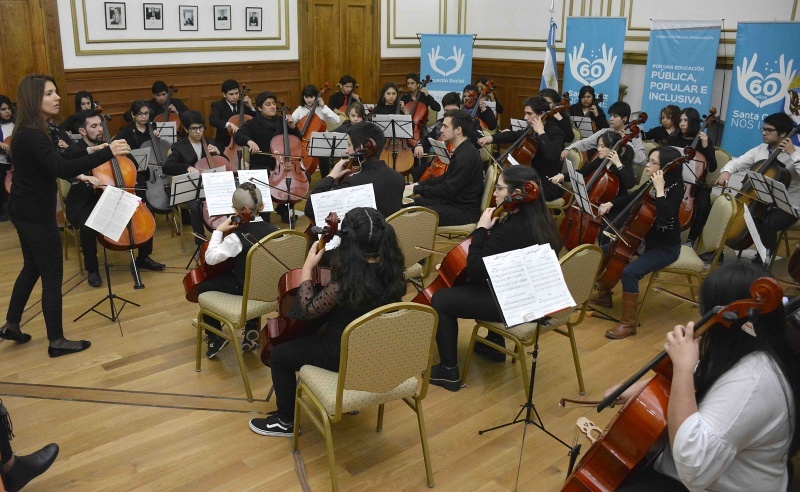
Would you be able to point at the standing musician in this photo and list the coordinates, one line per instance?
(228, 241)
(160, 92)
(183, 155)
(456, 194)
(525, 226)
(549, 138)
(6, 129)
(481, 84)
(32, 209)
(588, 106)
(257, 133)
(387, 183)
(388, 102)
(81, 199)
(562, 119)
(774, 130)
(733, 405)
(83, 100)
(670, 119)
(662, 242)
(224, 109)
(688, 129)
(367, 273)
(345, 96)
(619, 113)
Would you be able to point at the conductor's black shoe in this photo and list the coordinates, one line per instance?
(149, 264)
(446, 377)
(3, 218)
(26, 468)
(54, 352)
(94, 278)
(14, 336)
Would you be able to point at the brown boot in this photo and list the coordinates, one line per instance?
(627, 325)
(602, 297)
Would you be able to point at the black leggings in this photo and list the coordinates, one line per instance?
(42, 257)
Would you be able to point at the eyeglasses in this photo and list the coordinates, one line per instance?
(767, 130)
(498, 187)
(143, 114)
(197, 128)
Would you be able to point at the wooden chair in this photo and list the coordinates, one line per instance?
(415, 226)
(580, 268)
(489, 182)
(386, 355)
(260, 292)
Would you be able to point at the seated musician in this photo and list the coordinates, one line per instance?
(224, 109)
(688, 128)
(774, 130)
(732, 416)
(83, 100)
(355, 114)
(456, 194)
(229, 241)
(160, 92)
(82, 198)
(414, 90)
(481, 84)
(662, 242)
(619, 113)
(564, 122)
(588, 106)
(670, 119)
(6, 129)
(257, 134)
(183, 155)
(388, 102)
(387, 183)
(529, 224)
(367, 273)
(136, 134)
(308, 95)
(483, 113)
(344, 97)
(549, 139)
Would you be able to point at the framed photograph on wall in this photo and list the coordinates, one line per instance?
(187, 16)
(154, 16)
(222, 17)
(253, 18)
(115, 15)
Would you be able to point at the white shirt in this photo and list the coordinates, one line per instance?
(221, 248)
(792, 163)
(590, 142)
(6, 129)
(324, 112)
(738, 440)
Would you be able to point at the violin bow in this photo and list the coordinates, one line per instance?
(256, 180)
(616, 231)
(254, 242)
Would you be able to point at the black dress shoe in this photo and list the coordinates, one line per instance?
(149, 264)
(3, 218)
(94, 279)
(16, 336)
(26, 468)
(54, 352)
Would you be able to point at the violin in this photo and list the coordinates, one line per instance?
(739, 236)
(309, 124)
(157, 184)
(524, 149)
(641, 424)
(353, 165)
(453, 269)
(699, 169)
(167, 115)
(203, 271)
(282, 328)
(231, 152)
(288, 172)
(641, 215)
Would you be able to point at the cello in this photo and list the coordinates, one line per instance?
(231, 152)
(167, 116)
(453, 269)
(698, 167)
(398, 152)
(640, 426)
(524, 149)
(282, 328)
(289, 172)
(157, 184)
(309, 124)
(418, 112)
(473, 102)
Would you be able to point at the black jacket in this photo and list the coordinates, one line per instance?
(220, 114)
(462, 184)
(261, 130)
(182, 156)
(157, 109)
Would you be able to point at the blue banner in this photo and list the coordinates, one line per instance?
(680, 66)
(447, 58)
(764, 81)
(594, 56)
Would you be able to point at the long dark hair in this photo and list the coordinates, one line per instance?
(667, 154)
(30, 94)
(386, 87)
(80, 96)
(136, 106)
(365, 234)
(6, 100)
(722, 348)
(539, 221)
(693, 120)
(308, 91)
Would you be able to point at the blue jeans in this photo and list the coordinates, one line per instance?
(651, 260)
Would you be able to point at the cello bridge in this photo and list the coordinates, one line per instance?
(587, 427)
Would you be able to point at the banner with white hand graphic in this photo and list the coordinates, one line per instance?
(594, 56)
(447, 58)
(765, 81)
(681, 59)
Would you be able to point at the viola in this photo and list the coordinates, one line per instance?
(282, 328)
(699, 169)
(309, 124)
(157, 184)
(640, 215)
(203, 271)
(288, 173)
(524, 149)
(353, 165)
(167, 116)
(739, 236)
(453, 269)
(641, 424)
(231, 152)
(418, 112)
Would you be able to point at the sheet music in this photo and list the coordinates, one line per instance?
(751, 227)
(261, 175)
(771, 191)
(584, 124)
(734, 182)
(183, 188)
(113, 211)
(323, 142)
(517, 125)
(528, 283)
(341, 201)
(394, 125)
(140, 156)
(219, 188)
(440, 149)
(492, 105)
(168, 130)
(579, 187)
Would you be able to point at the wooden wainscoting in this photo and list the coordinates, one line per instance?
(198, 85)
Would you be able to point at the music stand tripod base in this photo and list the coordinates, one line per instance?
(111, 296)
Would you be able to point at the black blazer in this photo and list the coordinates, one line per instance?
(220, 114)
(181, 156)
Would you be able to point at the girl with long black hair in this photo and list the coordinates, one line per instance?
(6, 129)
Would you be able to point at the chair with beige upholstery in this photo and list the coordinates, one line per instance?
(386, 356)
(722, 158)
(489, 182)
(579, 267)
(262, 272)
(689, 264)
(415, 226)
(558, 207)
(576, 134)
(69, 230)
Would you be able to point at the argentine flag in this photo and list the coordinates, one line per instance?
(549, 75)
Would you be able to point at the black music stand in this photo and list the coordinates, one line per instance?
(328, 145)
(183, 189)
(395, 127)
(774, 193)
